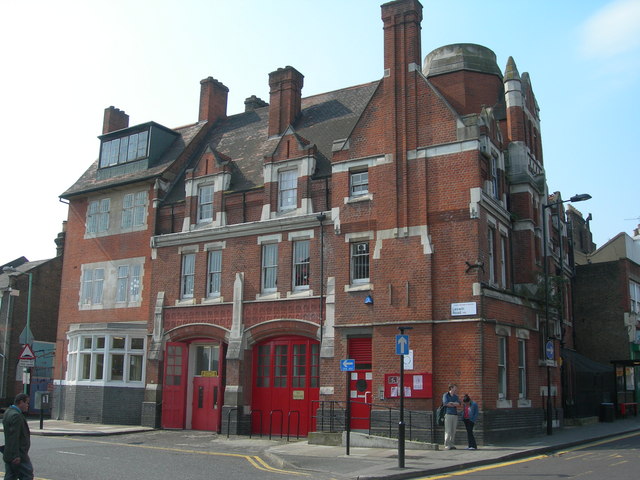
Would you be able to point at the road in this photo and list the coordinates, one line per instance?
(162, 454)
(616, 458)
(151, 456)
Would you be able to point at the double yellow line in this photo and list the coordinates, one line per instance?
(254, 460)
(530, 459)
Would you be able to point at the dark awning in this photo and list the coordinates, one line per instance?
(584, 364)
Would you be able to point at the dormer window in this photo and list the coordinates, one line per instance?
(205, 203)
(287, 190)
(359, 182)
(124, 149)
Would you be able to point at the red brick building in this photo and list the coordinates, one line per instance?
(238, 260)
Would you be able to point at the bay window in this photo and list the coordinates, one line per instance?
(106, 358)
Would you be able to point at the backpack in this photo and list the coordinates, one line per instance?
(440, 414)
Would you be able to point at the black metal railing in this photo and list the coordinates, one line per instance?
(251, 422)
(289, 424)
(271, 421)
(331, 416)
(234, 409)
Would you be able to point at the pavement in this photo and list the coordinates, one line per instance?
(368, 463)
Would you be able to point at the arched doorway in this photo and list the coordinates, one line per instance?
(286, 384)
(193, 389)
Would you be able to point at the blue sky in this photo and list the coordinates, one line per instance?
(63, 62)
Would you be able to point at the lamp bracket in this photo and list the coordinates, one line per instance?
(471, 266)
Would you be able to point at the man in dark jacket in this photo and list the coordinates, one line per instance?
(17, 440)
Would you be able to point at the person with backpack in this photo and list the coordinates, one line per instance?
(451, 401)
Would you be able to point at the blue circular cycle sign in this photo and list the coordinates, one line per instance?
(549, 350)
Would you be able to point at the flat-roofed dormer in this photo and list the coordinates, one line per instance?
(133, 149)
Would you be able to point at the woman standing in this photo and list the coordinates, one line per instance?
(469, 416)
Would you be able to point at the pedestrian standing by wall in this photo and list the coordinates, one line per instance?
(469, 417)
(451, 401)
(17, 440)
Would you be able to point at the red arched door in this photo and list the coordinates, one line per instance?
(285, 385)
(174, 388)
(193, 389)
(206, 405)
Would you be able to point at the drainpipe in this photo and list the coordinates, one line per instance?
(321, 218)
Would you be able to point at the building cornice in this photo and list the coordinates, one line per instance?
(262, 227)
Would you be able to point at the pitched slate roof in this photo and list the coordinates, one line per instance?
(90, 182)
(244, 139)
(23, 268)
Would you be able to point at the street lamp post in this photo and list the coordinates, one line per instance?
(28, 338)
(549, 340)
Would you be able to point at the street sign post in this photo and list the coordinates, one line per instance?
(348, 365)
(26, 360)
(402, 349)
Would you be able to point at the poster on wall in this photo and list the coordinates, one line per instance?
(631, 384)
(416, 385)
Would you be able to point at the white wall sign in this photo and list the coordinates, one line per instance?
(468, 308)
(408, 361)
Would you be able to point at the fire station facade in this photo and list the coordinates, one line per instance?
(219, 272)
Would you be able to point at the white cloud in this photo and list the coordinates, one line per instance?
(612, 30)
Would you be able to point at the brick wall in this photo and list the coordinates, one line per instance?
(98, 404)
(80, 251)
(600, 332)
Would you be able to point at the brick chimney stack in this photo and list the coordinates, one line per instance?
(285, 98)
(401, 22)
(114, 119)
(253, 102)
(59, 240)
(213, 100)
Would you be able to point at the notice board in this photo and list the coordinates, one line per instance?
(416, 385)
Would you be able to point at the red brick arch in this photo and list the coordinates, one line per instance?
(197, 330)
(281, 327)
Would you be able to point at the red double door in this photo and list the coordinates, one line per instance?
(286, 385)
(192, 395)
